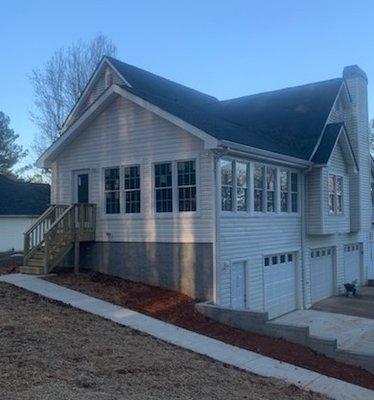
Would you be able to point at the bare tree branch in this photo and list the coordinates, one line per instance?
(60, 82)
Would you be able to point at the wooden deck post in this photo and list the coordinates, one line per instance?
(76, 255)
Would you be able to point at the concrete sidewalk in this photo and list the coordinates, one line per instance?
(217, 350)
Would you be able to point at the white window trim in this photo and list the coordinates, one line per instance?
(250, 187)
(174, 166)
(336, 212)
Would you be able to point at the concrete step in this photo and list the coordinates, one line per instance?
(31, 270)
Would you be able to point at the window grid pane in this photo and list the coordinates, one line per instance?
(258, 177)
(284, 190)
(241, 186)
(226, 185)
(132, 189)
(294, 192)
(163, 185)
(187, 185)
(112, 192)
(270, 189)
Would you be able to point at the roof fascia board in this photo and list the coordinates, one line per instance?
(71, 132)
(327, 119)
(347, 149)
(265, 154)
(91, 81)
(209, 141)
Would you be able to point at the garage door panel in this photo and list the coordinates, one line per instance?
(280, 285)
(321, 274)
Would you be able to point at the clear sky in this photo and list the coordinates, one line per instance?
(224, 48)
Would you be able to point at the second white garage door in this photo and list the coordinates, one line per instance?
(352, 264)
(321, 274)
(280, 284)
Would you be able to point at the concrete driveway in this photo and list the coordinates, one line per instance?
(348, 320)
(361, 306)
(353, 334)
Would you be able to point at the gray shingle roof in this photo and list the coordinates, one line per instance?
(23, 198)
(288, 121)
(327, 144)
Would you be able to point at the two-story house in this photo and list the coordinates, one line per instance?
(261, 202)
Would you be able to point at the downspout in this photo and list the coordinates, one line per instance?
(216, 246)
(303, 233)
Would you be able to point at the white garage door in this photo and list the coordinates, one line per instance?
(352, 265)
(280, 284)
(321, 274)
(238, 285)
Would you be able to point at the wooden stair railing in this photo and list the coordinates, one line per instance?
(49, 240)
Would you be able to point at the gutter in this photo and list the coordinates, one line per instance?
(269, 156)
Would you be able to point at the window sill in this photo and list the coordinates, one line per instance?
(258, 214)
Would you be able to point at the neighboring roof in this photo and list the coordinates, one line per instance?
(23, 198)
(287, 121)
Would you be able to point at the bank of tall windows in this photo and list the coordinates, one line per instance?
(273, 189)
(335, 185)
(234, 185)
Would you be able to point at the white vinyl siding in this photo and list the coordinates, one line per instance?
(124, 135)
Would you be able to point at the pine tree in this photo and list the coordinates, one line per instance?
(10, 152)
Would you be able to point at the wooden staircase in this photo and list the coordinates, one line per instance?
(54, 234)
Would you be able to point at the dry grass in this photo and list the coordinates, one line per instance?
(50, 351)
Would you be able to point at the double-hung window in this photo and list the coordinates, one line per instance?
(226, 185)
(112, 190)
(258, 187)
(294, 191)
(271, 174)
(132, 189)
(164, 187)
(187, 185)
(241, 186)
(335, 185)
(284, 190)
(122, 190)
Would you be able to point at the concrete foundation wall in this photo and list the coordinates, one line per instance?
(184, 267)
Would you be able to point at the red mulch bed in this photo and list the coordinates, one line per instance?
(180, 310)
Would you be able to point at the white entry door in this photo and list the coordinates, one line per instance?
(238, 285)
(352, 263)
(321, 274)
(280, 284)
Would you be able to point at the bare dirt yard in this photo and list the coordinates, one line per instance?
(180, 310)
(52, 351)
